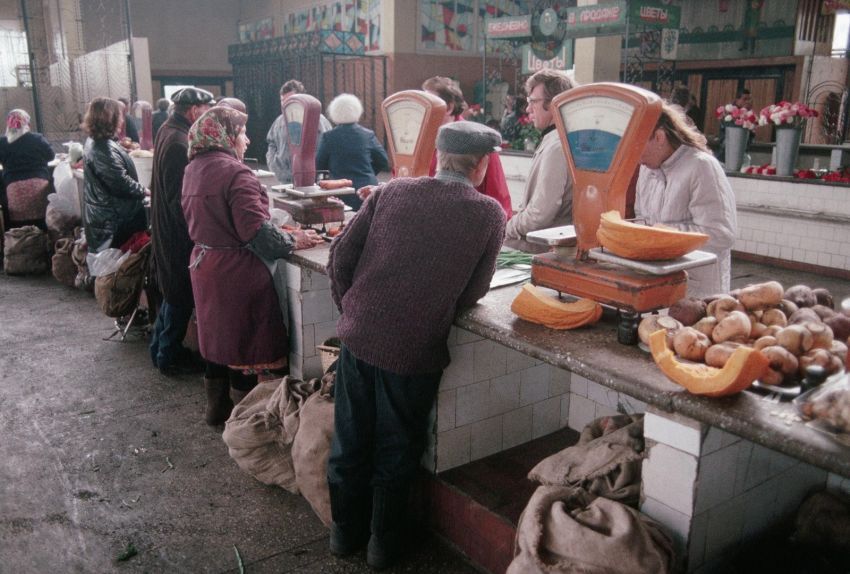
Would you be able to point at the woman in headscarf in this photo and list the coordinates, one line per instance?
(114, 198)
(24, 155)
(350, 151)
(240, 323)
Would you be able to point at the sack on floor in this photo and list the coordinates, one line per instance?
(83, 281)
(568, 530)
(62, 264)
(261, 429)
(118, 293)
(606, 461)
(25, 251)
(312, 448)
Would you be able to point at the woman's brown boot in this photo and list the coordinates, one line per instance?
(219, 404)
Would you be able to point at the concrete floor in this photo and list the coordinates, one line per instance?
(99, 451)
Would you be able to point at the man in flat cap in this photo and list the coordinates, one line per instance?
(419, 251)
(170, 235)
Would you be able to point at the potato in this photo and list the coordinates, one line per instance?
(774, 317)
(781, 361)
(803, 315)
(688, 310)
(801, 295)
(821, 335)
(761, 296)
(821, 358)
(796, 339)
(823, 311)
(690, 344)
(840, 325)
(717, 355)
(824, 297)
(766, 341)
(735, 326)
(787, 307)
(652, 323)
(706, 325)
(724, 305)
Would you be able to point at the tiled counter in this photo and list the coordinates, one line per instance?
(717, 471)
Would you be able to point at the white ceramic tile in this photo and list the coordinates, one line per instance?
(578, 384)
(293, 276)
(559, 382)
(293, 303)
(485, 437)
(317, 306)
(446, 404)
(669, 476)
(453, 448)
(725, 524)
(516, 427)
(459, 371)
(517, 361)
(745, 451)
(675, 523)
(534, 385)
(307, 344)
(797, 482)
(780, 462)
(603, 411)
(631, 405)
(758, 467)
(324, 331)
(760, 506)
(716, 478)
(677, 431)
(464, 336)
(545, 417)
(473, 403)
(504, 394)
(490, 360)
(602, 395)
(565, 411)
(582, 412)
(696, 541)
(312, 368)
(318, 281)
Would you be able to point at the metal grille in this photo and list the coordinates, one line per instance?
(79, 50)
(649, 53)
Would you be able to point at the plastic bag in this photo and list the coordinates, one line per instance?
(66, 198)
(828, 407)
(279, 217)
(106, 261)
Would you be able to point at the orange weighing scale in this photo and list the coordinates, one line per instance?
(306, 202)
(603, 129)
(412, 119)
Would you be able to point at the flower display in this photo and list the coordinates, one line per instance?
(527, 131)
(786, 114)
(730, 114)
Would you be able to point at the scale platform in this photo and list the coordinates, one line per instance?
(310, 205)
(311, 191)
(609, 283)
(688, 261)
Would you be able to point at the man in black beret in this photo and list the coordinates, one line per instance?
(418, 251)
(170, 235)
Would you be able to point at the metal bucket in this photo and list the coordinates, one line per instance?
(736, 146)
(787, 147)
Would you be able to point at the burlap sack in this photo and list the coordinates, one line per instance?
(823, 521)
(83, 281)
(118, 293)
(606, 461)
(59, 223)
(62, 264)
(261, 429)
(25, 251)
(567, 530)
(312, 448)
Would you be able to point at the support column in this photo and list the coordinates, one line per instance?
(597, 59)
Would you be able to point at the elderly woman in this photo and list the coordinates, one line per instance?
(350, 151)
(24, 155)
(240, 323)
(114, 198)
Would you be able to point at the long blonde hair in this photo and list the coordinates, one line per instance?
(679, 132)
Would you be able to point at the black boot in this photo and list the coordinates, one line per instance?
(389, 508)
(350, 515)
(240, 386)
(219, 404)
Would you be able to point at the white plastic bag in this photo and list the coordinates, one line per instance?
(105, 262)
(66, 198)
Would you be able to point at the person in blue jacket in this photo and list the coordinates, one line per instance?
(350, 151)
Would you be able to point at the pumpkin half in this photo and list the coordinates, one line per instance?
(743, 367)
(645, 243)
(533, 305)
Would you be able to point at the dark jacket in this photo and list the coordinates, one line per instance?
(114, 208)
(25, 158)
(350, 151)
(157, 119)
(169, 233)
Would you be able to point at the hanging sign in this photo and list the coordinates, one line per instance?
(654, 14)
(596, 16)
(509, 27)
(563, 59)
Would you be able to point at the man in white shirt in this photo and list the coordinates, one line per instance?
(548, 197)
(683, 186)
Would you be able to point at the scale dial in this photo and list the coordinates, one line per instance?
(294, 116)
(405, 121)
(595, 128)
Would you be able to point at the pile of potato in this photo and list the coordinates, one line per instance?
(794, 328)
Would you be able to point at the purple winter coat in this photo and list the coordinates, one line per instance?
(239, 317)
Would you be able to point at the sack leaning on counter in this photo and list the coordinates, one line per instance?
(26, 251)
(118, 293)
(62, 264)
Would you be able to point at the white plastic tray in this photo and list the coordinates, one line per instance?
(313, 191)
(688, 261)
(555, 236)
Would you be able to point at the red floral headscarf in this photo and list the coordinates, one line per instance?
(17, 124)
(217, 129)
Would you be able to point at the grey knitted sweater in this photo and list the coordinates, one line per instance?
(418, 251)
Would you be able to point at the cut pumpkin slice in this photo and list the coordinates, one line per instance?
(535, 306)
(743, 367)
(644, 243)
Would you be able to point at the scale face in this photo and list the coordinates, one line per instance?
(603, 128)
(301, 113)
(412, 119)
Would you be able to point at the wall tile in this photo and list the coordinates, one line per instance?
(669, 476)
(603, 411)
(679, 432)
(631, 405)
(473, 403)
(464, 336)
(546, 417)
(293, 302)
(312, 368)
(696, 541)
(578, 384)
(317, 306)
(602, 395)
(582, 412)
(517, 361)
(716, 482)
(459, 371)
(725, 524)
(534, 385)
(675, 523)
(453, 448)
(565, 410)
(318, 281)
(296, 363)
(486, 437)
(516, 427)
(324, 331)
(559, 381)
(446, 405)
(745, 452)
(504, 394)
(490, 360)
(758, 469)
(307, 344)
(293, 276)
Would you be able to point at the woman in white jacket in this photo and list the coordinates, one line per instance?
(682, 185)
